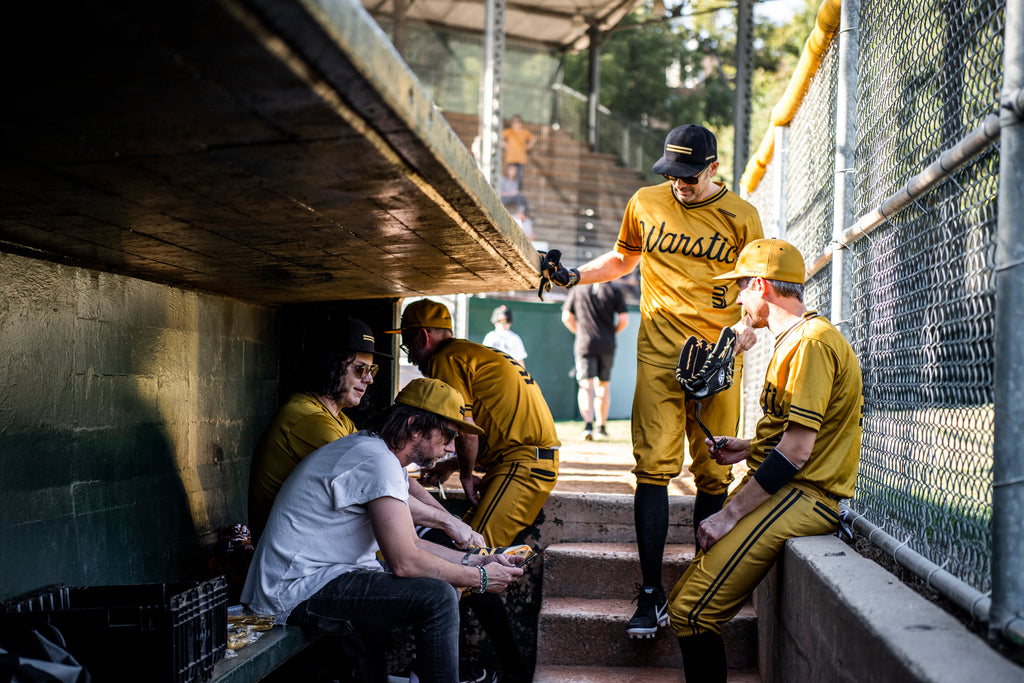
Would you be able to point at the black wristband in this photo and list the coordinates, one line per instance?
(775, 471)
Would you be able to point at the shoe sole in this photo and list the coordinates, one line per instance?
(641, 633)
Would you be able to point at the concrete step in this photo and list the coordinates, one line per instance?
(589, 632)
(604, 570)
(608, 518)
(618, 674)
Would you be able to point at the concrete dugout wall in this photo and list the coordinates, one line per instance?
(128, 414)
(827, 614)
(129, 411)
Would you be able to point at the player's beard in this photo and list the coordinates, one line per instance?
(416, 352)
(425, 452)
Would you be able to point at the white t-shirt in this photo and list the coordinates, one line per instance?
(319, 527)
(507, 341)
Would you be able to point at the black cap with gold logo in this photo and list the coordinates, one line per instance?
(689, 150)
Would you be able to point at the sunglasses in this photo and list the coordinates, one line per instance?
(448, 433)
(689, 180)
(363, 370)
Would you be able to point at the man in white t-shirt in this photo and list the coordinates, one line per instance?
(503, 338)
(316, 560)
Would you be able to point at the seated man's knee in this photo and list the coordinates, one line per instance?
(435, 595)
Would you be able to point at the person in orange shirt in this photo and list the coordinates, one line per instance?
(516, 142)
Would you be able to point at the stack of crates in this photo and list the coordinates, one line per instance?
(165, 632)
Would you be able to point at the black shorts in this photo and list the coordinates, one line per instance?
(595, 365)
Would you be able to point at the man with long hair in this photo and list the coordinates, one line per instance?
(335, 371)
(316, 563)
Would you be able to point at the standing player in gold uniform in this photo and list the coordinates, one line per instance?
(517, 454)
(683, 233)
(803, 458)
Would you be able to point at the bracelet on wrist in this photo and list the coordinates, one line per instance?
(483, 580)
(465, 559)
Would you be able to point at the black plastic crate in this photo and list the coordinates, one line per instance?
(164, 632)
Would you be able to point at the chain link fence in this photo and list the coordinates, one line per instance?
(923, 283)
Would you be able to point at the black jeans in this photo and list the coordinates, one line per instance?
(372, 602)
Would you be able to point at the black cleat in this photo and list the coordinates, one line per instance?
(588, 431)
(651, 612)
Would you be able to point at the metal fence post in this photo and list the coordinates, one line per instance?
(1007, 612)
(490, 90)
(594, 86)
(846, 140)
(741, 102)
(626, 151)
(780, 185)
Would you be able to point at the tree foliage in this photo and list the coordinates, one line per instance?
(702, 49)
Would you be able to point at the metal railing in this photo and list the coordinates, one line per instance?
(634, 146)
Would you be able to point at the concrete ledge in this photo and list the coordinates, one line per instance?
(827, 614)
(255, 661)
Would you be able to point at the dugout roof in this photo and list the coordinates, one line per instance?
(562, 24)
(271, 150)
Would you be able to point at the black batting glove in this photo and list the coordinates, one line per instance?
(552, 270)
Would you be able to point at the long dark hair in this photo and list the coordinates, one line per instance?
(322, 369)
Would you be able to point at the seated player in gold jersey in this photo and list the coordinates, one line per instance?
(803, 458)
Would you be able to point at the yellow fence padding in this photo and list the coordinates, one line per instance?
(825, 27)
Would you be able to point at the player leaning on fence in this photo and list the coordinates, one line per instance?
(803, 457)
(683, 233)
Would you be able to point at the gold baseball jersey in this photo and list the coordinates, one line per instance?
(683, 246)
(813, 379)
(501, 397)
(302, 425)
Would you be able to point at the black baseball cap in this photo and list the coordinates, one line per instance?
(356, 336)
(689, 150)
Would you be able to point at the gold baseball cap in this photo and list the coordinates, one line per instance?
(434, 396)
(425, 313)
(772, 259)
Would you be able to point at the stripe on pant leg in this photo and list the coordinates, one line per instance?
(506, 481)
(826, 514)
(826, 511)
(741, 551)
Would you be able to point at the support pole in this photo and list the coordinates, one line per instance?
(1007, 612)
(490, 90)
(741, 94)
(399, 26)
(846, 141)
(780, 180)
(594, 94)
